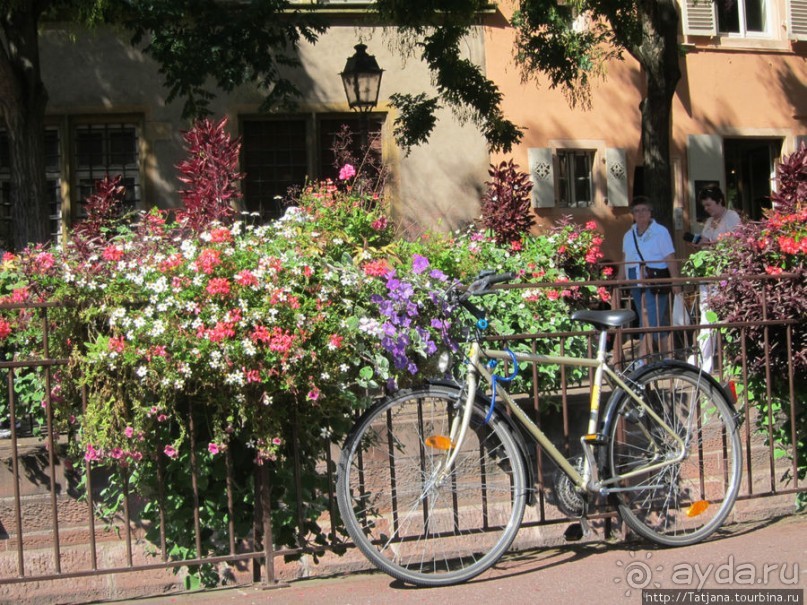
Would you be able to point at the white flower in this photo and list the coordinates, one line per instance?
(158, 328)
(234, 378)
(142, 371)
(249, 347)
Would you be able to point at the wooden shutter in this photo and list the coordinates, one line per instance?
(700, 18)
(797, 19)
(543, 176)
(705, 162)
(616, 167)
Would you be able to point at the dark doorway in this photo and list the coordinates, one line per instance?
(750, 171)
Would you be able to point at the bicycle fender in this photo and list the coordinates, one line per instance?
(511, 424)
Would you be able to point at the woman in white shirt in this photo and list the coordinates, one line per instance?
(721, 221)
(648, 249)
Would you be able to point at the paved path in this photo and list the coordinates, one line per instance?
(760, 556)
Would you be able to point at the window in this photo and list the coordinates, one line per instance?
(106, 150)
(742, 17)
(96, 150)
(574, 178)
(279, 153)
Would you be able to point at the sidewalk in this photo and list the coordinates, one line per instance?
(756, 556)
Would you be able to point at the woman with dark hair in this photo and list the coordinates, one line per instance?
(648, 252)
(722, 220)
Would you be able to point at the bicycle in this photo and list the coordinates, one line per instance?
(433, 483)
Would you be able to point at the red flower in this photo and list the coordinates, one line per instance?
(5, 329)
(112, 253)
(376, 268)
(218, 286)
(221, 234)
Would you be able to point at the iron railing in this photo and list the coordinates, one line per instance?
(66, 518)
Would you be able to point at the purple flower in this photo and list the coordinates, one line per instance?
(439, 275)
(419, 264)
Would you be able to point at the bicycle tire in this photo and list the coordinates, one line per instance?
(415, 530)
(683, 503)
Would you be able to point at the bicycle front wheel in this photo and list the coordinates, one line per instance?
(683, 502)
(408, 515)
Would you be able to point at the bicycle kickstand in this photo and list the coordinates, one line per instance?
(581, 529)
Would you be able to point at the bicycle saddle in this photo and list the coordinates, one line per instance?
(605, 319)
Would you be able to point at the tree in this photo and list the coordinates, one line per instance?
(193, 41)
(547, 44)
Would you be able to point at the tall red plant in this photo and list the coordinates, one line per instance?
(103, 208)
(210, 174)
(506, 206)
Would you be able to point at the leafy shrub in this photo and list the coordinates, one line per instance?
(217, 341)
(506, 205)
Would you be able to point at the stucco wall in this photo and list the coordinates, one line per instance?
(434, 186)
(731, 88)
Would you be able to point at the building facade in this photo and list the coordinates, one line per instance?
(740, 105)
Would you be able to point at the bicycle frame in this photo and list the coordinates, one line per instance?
(587, 479)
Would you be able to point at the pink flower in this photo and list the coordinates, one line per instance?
(335, 341)
(276, 441)
(208, 260)
(252, 375)
(44, 261)
(128, 431)
(162, 418)
(515, 245)
(116, 453)
(116, 344)
(213, 448)
(347, 172)
(112, 253)
(246, 278)
(92, 454)
(313, 394)
(218, 286)
(379, 224)
(170, 451)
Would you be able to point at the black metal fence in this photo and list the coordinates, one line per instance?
(50, 527)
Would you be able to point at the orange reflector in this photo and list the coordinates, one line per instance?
(439, 442)
(697, 508)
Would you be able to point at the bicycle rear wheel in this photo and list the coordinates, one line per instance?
(408, 522)
(684, 502)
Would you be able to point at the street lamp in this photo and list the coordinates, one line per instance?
(362, 80)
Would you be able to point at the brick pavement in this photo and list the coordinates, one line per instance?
(757, 556)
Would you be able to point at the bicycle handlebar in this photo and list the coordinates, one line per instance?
(481, 286)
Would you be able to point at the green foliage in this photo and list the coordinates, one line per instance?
(775, 246)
